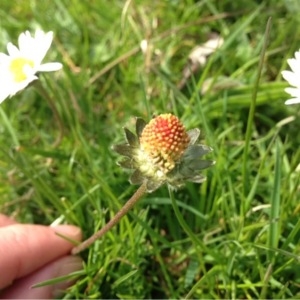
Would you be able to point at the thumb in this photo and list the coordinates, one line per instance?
(22, 288)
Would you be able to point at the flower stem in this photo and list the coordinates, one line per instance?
(184, 225)
(121, 213)
(50, 101)
(9, 128)
(199, 246)
(245, 163)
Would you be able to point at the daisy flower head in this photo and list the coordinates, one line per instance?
(293, 78)
(162, 151)
(20, 66)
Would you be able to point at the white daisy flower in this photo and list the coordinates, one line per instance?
(19, 67)
(293, 78)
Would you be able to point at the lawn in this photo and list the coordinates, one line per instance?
(236, 235)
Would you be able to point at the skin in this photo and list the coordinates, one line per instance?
(30, 254)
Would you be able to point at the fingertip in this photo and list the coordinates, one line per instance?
(24, 288)
(6, 220)
(66, 266)
(26, 248)
(71, 231)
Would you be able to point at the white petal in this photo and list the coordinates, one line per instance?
(294, 92)
(28, 71)
(42, 44)
(294, 64)
(292, 101)
(26, 44)
(4, 93)
(9, 87)
(291, 78)
(27, 81)
(4, 58)
(36, 47)
(297, 55)
(49, 67)
(45, 44)
(12, 50)
(40, 34)
(22, 85)
(15, 88)
(23, 40)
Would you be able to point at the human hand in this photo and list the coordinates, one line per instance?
(30, 254)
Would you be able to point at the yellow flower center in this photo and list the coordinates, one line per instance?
(17, 68)
(164, 139)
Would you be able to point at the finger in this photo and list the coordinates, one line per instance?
(25, 248)
(22, 288)
(5, 220)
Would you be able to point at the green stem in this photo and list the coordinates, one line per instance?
(121, 213)
(9, 128)
(252, 111)
(199, 246)
(43, 92)
(274, 229)
(183, 224)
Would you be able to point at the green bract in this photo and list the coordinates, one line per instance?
(146, 169)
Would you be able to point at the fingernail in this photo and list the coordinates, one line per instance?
(68, 230)
(66, 266)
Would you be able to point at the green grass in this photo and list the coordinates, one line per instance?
(240, 235)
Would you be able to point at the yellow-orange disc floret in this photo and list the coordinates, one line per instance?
(164, 139)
